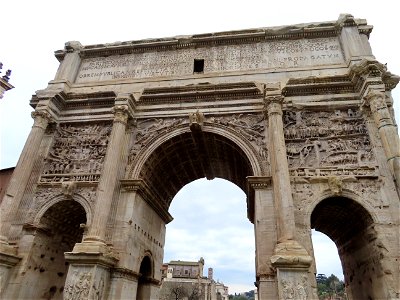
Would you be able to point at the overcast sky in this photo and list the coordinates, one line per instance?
(33, 30)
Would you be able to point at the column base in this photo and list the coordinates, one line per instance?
(8, 259)
(89, 271)
(292, 263)
(291, 254)
(92, 252)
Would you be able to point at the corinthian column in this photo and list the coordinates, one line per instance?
(290, 259)
(21, 174)
(376, 100)
(288, 252)
(280, 169)
(109, 176)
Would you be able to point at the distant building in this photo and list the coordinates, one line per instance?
(4, 84)
(184, 280)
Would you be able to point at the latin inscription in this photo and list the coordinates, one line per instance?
(265, 55)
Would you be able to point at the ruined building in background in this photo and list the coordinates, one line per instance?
(185, 280)
(299, 117)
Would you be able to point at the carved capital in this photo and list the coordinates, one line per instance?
(121, 114)
(273, 104)
(376, 101)
(41, 118)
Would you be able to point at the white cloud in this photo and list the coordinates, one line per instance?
(223, 235)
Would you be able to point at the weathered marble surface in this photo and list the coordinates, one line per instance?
(299, 117)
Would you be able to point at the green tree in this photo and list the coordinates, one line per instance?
(329, 286)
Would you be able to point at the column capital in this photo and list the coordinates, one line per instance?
(128, 100)
(375, 100)
(121, 113)
(41, 118)
(273, 104)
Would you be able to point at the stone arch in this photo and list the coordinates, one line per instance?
(212, 152)
(351, 226)
(242, 143)
(346, 193)
(61, 197)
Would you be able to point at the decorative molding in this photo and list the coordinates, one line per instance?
(203, 92)
(124, 273)
(310, 30)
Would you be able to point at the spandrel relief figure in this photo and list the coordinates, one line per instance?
(147, 130)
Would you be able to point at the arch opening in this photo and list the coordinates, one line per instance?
(194, 155)
(210, 222)
(144, 280)
(57, 232)
(350, 226)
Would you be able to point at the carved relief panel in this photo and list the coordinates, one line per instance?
(336, 139)
(294, 285)
(77, 153)
(84, 284)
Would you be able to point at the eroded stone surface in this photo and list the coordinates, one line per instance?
(299, 117)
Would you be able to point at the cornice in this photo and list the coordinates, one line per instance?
(360, 75)
(203, 92)
(299, 31)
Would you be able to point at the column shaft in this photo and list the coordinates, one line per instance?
(109, 176)
(280, 170)
(22, 172)
(387, 131)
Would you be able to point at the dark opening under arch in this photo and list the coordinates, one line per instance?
(193, 155)
(145, 279)
(351, 227)
(57, 232)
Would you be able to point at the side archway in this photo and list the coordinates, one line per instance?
(56, 232)
(145, 278)
(351, 227)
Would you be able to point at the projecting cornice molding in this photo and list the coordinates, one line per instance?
(299, 31)
(203, 92)
(361, 74)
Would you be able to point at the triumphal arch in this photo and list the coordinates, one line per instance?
(299, 117)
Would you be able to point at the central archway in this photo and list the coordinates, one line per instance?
(210, 222)
(194, 155)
